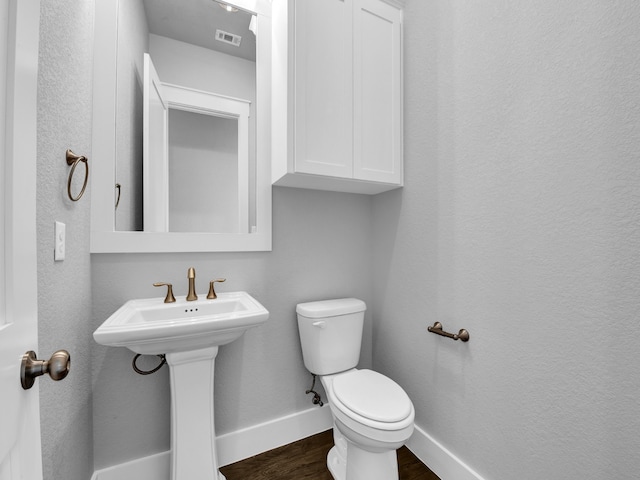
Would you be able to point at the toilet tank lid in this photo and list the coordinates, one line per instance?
(331, 308)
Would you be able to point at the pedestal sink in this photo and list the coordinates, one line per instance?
(189, 334)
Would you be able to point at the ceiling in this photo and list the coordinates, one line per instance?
(196, 21)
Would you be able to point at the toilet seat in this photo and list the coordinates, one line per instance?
(372, 395)
(371, 399)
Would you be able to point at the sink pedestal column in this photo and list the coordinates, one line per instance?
(193, 450)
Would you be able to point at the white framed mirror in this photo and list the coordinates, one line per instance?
(209, 176)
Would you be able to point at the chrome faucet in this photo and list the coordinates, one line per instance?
(191, 275)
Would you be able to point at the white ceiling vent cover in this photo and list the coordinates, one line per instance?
(229, 38)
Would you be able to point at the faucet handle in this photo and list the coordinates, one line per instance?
(169, 298)
(212, 292)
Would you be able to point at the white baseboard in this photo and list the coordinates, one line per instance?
(232, 447)
(153, 467)
(440, 460)
(245, 443)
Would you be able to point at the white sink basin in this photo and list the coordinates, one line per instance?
(150, 326)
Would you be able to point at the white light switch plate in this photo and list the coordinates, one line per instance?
(61, 237)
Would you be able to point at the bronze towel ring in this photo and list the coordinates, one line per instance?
(73, 159)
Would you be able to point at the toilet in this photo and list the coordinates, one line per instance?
(373, 416)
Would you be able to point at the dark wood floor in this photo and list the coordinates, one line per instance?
(307, 458)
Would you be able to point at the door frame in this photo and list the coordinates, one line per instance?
(20, 244)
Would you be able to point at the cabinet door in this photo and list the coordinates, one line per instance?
(377, 92)
(323, 87)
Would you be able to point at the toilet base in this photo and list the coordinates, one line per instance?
(361, 464)
(365, 465)
(337, 466)
(337, 456)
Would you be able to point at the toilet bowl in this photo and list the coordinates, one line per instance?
(373, 416)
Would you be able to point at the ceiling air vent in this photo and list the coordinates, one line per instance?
(229, 38)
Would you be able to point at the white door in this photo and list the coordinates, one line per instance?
(155, 152)
(20, 452)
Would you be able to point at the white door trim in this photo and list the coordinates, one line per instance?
(20, 246)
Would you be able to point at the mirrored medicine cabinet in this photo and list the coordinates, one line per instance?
(181, 130)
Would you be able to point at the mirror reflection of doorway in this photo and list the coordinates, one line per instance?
(203, 174)
(195, 159)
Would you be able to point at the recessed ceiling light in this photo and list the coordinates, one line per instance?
(228, 8)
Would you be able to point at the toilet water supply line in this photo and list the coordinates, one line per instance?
(148, 372)
(317, 400)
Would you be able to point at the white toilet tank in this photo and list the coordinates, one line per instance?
(331, 334)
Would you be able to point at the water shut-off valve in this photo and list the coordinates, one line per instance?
(317, 400)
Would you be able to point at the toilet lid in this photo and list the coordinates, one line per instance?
(372, 395)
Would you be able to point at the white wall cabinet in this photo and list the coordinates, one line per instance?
(338, 95)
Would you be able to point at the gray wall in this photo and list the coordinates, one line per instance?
(520, 221)
(64, 288)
